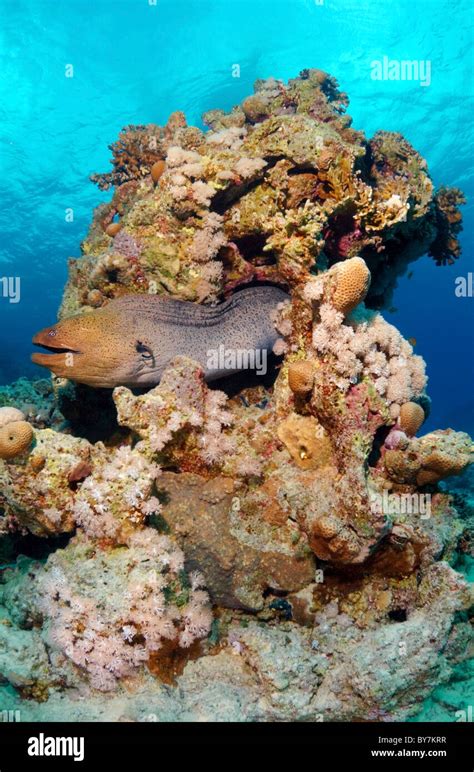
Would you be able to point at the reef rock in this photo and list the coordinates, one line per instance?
(240, 554)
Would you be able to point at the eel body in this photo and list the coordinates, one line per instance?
(131, 340)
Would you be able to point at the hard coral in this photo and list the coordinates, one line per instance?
(15, 438)
(301, 376)
(352, 281)
(411, 418)
(306, 441)
(157, 170)
(37, 492)
(10, 414)
(430, 458)
(446, 248)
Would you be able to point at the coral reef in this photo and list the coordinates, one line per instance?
(280, 185)
(283, 548)
(35, 402)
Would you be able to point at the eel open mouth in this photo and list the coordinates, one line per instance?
(56, 348)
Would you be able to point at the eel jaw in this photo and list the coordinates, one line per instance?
(56, 360)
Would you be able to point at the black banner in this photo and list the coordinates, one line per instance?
(83, 746)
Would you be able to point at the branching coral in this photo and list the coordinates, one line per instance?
(446, 248)
(134, 153)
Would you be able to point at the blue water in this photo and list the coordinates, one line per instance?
(136, 61)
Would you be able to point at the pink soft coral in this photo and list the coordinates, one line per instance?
(106, 611)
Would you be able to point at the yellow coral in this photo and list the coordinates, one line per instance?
(352, 281)
(306, 441)
(15, 438)
(411, 418)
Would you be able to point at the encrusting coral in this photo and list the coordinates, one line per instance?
(268, 541)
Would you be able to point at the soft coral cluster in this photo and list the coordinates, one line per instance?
(118, 496)
(186, 423)
(107, 611)
(367, 346)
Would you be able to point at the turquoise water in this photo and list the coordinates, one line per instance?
(135, 61)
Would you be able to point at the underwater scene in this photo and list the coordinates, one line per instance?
(236, 403)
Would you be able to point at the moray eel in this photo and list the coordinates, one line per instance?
(131, 340)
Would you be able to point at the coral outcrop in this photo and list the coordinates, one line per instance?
(279, 186)
(280, 547)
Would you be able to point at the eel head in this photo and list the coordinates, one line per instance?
(102, 348)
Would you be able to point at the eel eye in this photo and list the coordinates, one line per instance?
(145, 351)
(52, 334)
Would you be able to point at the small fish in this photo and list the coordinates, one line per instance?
(412, 341)
(392, 310)
(410, 275)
